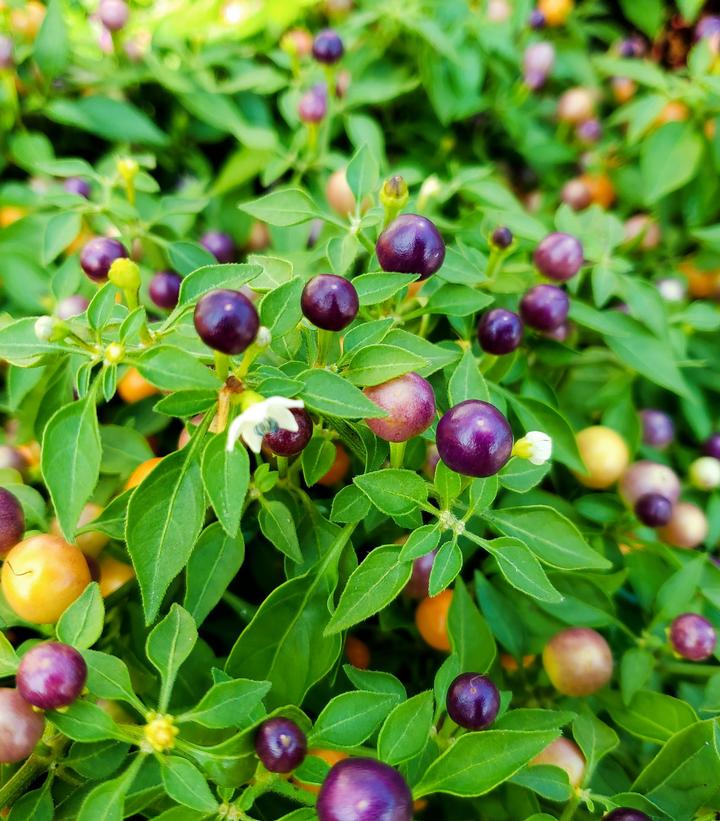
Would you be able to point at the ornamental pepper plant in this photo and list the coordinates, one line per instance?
(359, 396)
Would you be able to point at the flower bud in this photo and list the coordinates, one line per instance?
(125, 274)
(114, 353)
(50, 329)
(160, 732)
(127, 168)
(394, 192)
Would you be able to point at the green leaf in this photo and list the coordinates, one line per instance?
(419, 542)
(467, 382)
(653, 716)
(669, 158)
(123, 449)
(101, 306)
(171, 368)
(228, 703)
(552, 538)
(317, 459)
(407, 729)
(278, 527)
(108, 678)
(164, 518)
(647, 15)
(226, 477)
(348, 719)
(471, 638)
(51, 49)
(186, 403)
(83, 721)
(213, 564)
(185, 784)
(106, 801)
(375, 364)
(522, 570)
(169, 644)
(393, 491)
(372, 586)
(548, 781)
(8, 657)
(81, 624)
(60, 231)
(284, 207)
(205, 278)
(448, 563)
(363, 172)
(350, 504)
(330, 394)
(594, 738)
(375, 288)
(478, 762)
(70, 461)
(36, 805)
(101, 115)
(280, 309)
(457, 300)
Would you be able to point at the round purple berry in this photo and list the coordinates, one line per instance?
(411, 244)
(502, 237)
(327, 47)
(474, 438)
(220, 245)
(12, 521)
(113, 14)
(473, 701)
(20, 727)
(283, 442)
(657, 427)
(226, 321)
(6, 52)
(51, 675)
(409, 402)
(500, 331)
(536, 20)
(363, 789)
(98, 255)
(589, 131)
(165, 288)
(77, 185)
(419, 585)
(71, 306)
(330, 302)
(626, 814)
(313, 105)
(545, 307)
(280, 744)
(653, 509)
(693, 637)
(559, 256)
(712, 446)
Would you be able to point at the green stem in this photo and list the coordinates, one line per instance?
(30, 770)
(222, 365)
(282, 464)
(690, 669)
(250, 355)
(570, 808)
(324, 339)
(494, 263)
(281, 787)
(369, 247)
(397, 454)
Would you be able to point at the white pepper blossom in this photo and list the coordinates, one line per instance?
(263, 417)
(535, 446)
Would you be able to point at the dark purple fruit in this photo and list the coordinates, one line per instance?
(220, 245)
(419, 585)
(20, 727)
(409, 402)
(693, 637)
(411, 244)
(502, 237)
(712, 446)
(165, 288)
(51, 675)
(77, 185)
(280, 744)
(283, 442)
(473, 701)
(12, 521)
(226, 321)
(545, 307)
(536, 20)
(474, 438)
(658, 428)
(626, 814)
(362, 789)
(500, 331)
(330, 302)
(559, 256)
(98, 255)
(653, 509)
(327, 47)
(113, 14)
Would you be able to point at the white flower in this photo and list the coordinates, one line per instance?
(44, 327)
(671, 290)
(264, 337)
(705, 473)
(535, 446)
(263, 417)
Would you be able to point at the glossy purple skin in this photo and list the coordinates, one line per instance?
(327, 47)
(20, 727)
(313, 105)
(500, 331)
(286, 442)
(536, 20)
(362, 789)
(693, 637)
(411, 244)
(220, 245)
(559, 256)
(419, 585)
(653, 510)
(712, 446)
(626, 814)
(658, 428)
(12, 521)
(226, 321)
(409, 402)
(71, 306)
(473, 701)
(474, 438)
(6, 52)
(51, 675)
(77, 185)
(502, 237)
(330, 302)
(98, 255)
(280, 744)
(113, 14)
(545, 307)
(165, 288)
